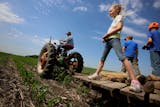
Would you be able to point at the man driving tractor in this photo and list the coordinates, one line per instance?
(65, 43)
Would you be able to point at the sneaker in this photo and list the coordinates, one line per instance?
(135, 86)
(94, 76)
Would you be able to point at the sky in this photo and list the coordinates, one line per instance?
(26, 25)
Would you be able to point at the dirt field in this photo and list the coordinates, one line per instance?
(13, 92)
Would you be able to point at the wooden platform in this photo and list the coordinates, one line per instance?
(122, 88)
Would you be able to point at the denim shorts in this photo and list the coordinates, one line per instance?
(116, 45)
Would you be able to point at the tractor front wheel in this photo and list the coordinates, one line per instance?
(75, 62)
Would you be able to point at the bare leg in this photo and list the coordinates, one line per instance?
(99, 68)
(129, 69)
(135, 85)
(123, 69)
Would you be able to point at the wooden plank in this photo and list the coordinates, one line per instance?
(100, 82)
(157, 85)
(127, 92)
(106, 84)
(82, 78)
(154, 98)
(114, 74)
(121, 88)
(112, 87)
(157, 91)
(94, 82)
(115, 85)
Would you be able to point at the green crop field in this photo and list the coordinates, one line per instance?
(39, 91)
(32, 61)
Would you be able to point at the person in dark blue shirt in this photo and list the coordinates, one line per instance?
(153, 44)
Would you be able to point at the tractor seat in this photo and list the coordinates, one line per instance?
(68, 47)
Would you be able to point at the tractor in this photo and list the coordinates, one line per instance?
(53, 55)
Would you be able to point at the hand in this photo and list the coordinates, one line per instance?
(62, 41)
(103, 40)
(103, 37)
(145, 47)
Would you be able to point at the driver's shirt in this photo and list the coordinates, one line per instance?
(69, 41)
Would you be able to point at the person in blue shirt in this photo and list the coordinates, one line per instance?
(153, 45)
(67, 42)
(130, 50)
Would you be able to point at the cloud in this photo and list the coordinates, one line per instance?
(17, 35)
(74, 1)
(97, 38)
(135, 5)
(136, 19)
(131, 10)
(52, 3)
(6, 14)
(156, 4)
(45, 6)
(80, 8)
(36, 40)
(128, 30)
(17, 42)
(103, 7)
(139, 41)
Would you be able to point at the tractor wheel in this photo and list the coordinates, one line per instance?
(46, 61)
(75, 62)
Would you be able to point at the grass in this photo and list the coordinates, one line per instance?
(32, 61)
(87, 70)
(39, 91)
(3, 57)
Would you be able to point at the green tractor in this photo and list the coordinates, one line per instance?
(53, 56)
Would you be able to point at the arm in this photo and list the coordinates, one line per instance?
(64, 40)
(123, 49)
(115, 30)
(149, 41)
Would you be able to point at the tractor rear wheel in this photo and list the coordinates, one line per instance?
(46, 60)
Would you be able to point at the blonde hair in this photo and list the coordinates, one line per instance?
(117, 7)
